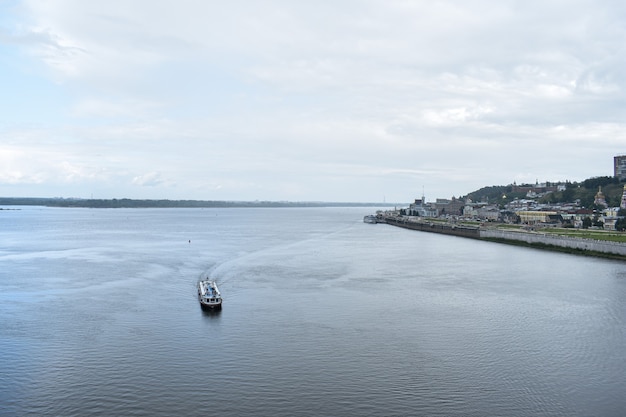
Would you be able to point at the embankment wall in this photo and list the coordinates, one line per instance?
(588, 246)
(434, 227)
(601, 246)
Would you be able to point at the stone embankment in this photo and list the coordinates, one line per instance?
(526, 238)
(434, 227)
(541, 239)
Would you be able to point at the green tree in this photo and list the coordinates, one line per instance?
(586, 223)
(595, 182)
(568, 195)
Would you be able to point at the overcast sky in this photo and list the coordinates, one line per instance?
(319, 100)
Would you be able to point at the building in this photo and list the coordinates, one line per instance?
(623, 204)
(489, 213)
(609, 218)
(452, 207)
(600, 200)
(619, 167)
(421, 209)
(534, 217)
(536, 189)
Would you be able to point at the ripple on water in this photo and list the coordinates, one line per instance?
(323, 315)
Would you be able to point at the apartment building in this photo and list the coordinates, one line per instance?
(619, 167)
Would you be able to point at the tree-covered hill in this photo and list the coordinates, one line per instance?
(584, 191)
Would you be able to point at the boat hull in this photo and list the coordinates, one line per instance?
(210, 307)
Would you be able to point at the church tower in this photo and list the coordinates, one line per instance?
(623, 205)
(600, 200)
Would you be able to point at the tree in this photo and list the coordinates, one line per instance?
(568, 195)
(595, 182)
(586, 223)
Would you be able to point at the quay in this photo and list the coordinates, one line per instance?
(434, 227)
(533, 239)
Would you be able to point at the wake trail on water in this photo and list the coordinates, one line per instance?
(222, 273)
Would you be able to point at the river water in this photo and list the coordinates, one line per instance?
(323, 316)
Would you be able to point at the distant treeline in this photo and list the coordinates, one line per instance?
(131, 203)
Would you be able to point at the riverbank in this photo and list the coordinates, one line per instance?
(533, 239)
(434, 227)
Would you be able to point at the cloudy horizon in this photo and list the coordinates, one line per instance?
(359, 101)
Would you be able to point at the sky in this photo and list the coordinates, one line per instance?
(339, 101)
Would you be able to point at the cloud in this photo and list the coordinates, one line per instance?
(150, 179)
(236, 99)
(25, 164)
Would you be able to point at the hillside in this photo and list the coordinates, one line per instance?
(584, 192)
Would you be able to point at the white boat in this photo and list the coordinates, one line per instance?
(370, 219)
(209, 295)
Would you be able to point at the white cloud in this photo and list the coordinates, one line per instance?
(455, 116)
(150, 179)
(236, 99)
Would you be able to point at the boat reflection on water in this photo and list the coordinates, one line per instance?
(214, 314)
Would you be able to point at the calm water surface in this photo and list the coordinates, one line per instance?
(323, 315)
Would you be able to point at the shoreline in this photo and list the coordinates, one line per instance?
(556, 243)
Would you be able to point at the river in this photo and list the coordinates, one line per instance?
(323, 315)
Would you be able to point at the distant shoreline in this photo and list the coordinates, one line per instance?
(132, 203)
